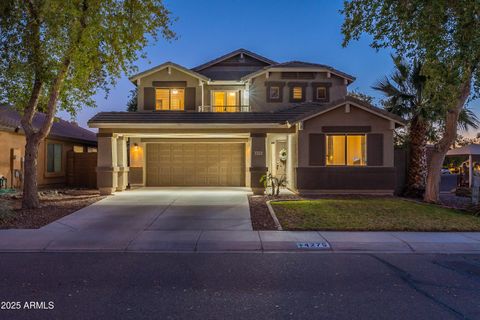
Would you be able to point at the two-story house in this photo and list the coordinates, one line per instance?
(229, 121)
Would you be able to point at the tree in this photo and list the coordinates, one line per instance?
(444, 35)
(361, 96)
(132, 101)
(404, 93)
(405, 96)
(56, 54)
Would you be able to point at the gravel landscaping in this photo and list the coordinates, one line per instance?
(55, 204)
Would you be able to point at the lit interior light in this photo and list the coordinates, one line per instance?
(231, 94)
(174, 91)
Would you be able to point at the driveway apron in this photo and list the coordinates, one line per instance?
(114, 222)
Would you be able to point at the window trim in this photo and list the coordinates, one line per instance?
(169, 98)
(270, 84)
(346, 134)
(303, 86)
(315, 86)
(60, 173)
(212, 99)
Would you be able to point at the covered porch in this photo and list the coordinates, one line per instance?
(193, 157)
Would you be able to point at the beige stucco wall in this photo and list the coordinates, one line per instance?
(339, 117)
(258, 90)
(12, 140)
(44, 177)
(175, 75)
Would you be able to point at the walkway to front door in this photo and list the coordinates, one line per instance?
(172, 208)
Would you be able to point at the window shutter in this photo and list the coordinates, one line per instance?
(148, 98)
(375, 149)
(190, 99)
(316, 149)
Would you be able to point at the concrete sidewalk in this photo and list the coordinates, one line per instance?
(68, 240)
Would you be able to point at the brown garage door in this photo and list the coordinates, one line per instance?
(195, 164)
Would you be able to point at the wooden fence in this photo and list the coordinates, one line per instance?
(81, 169)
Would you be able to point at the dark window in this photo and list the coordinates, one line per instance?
(321, 93)
(54, 158)
(274, 93)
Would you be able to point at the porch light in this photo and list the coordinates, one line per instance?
(135, 146)
(231, 94)
(174, 91)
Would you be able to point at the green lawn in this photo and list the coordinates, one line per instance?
(372, 214)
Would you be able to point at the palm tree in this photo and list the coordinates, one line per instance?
(404, 93)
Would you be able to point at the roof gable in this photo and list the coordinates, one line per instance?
(317, 110)
(165, 65)
(232, 58)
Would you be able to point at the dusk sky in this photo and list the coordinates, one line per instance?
(281, 30)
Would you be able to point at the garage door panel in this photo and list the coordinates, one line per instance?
(195, 164)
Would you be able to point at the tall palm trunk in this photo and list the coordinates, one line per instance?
(417, 164)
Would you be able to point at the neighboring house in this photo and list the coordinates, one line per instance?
(52, 155)
(229, 121)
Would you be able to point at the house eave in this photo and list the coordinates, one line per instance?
(296, 69)
(109, 125)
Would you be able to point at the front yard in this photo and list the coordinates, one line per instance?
(371, 214)
(55, 204)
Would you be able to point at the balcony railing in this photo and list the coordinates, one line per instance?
(244, 108)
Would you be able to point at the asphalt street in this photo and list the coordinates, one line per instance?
(239, 286)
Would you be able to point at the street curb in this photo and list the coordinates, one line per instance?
(274, 216)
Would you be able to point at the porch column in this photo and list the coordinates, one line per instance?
(107, 168)
(258, 163)
(122, 163)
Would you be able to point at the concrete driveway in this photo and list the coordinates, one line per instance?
(178, 208)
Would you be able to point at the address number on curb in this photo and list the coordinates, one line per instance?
(313, 245)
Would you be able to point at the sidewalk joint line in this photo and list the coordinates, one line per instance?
(403, 241)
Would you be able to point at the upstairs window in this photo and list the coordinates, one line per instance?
(274, 93)
(225, 101)
(54, 158)
(321, 93)
(169, 99)
(346, 150)
(297, 93)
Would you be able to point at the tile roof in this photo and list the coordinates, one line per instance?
(61, 129)
(287, 115)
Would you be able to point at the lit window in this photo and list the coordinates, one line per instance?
(54, 157)
(169, 99)
(297, 93)
(274, 93)
(77, 149)
(347, 150)
(225, 101)
(321, 93)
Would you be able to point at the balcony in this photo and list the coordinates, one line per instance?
(243, 108)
